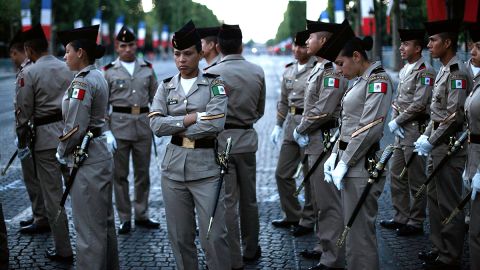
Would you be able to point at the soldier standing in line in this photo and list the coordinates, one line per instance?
(84, 106)
(39, 98)
(451, 87)
(290, 108)
(472, 168)
(132, 83)
(325, 90)
(38, 223)
(245, 86)
(191, 107)
(208, 36)
(364, 108)
(409, 118)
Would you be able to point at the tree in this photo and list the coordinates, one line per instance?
(291, 22)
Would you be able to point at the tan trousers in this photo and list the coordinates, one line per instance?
(474, 234)
(32, 184)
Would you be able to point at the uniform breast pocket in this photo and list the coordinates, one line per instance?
(120, 84)
(289, 83)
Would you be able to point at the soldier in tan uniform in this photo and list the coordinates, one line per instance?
(191, 106)
(38, 102)
(325, 90)
(451, 87)
(472, 168)
(409, 119)
(289, 113)
(132, 83)
(364, 110)
(84, 106)
(245, 86)
(208, 36)
(38, 222)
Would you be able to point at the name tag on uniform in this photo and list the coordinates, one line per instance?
(172, 101)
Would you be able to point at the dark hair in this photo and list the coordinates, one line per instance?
(452, 36)
(93, 50)
(230, 46)
(419, 42)
(198, 46)
(211, 39)
(17, 46)
(37, 45)
(357, 45)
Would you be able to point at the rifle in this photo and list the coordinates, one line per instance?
(223, 160)
(453, 149)
(374, 177)
(79, 156)
(327, 147)
(457, 209)
(10, 161)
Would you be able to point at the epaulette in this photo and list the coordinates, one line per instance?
(83, 74)
(210, 75)
(109, 66)
(167, 80)
(147, 64)
(422, 66)
(214, 64)
(328, 65)
(378, 70)
(454, 67)
(315, 62)
(289, 64)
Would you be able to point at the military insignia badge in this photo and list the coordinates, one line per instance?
(427, 81)
(378, 87)
(331, 82)
(218, 88)
(77, 93)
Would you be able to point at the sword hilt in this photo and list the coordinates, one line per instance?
(299, 189)
(343, 236)
(420, 191)
(452, 215)
(404, 171)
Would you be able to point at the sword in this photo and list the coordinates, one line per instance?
(457, 209)
(4, 171)
(454, 149)
(326, 149)
(374, 176)
(79, 156)
(223, 170)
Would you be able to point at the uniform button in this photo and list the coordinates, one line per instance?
(185, 101)
(133, 91)
(294, 93)
(178, 124)
(135, 105)
(436, 85)
(401, 82)
(296, 80)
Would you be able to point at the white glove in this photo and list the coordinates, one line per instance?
(200, 115)
(23, 153)
(396, 129)
(339, 173)
(275, 136)
(60, 160)
(328, 167)
(475, 185)
(302, 140)
(423, 146)
(466, 181)
(111, 142)
(16, 141)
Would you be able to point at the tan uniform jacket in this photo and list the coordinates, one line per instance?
(19, 79)
(364, 110)
(83, 107)
(325, 89)
(130, 91)
(411, 106)
(40, 92)
(472, 115)
(451, 87)
(170, 105)
(245, 86)
(292, 96)
(214, 62)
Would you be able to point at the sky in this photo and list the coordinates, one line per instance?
(258, 19)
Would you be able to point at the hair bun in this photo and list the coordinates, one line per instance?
(99, 51)
(367, 43)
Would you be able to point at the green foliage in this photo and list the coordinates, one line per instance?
(293, 20)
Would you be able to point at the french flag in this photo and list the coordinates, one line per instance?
(142, 32)
(437, 10)
(78, 24)
(26, 15)
(471, 13)
(339, 11)
(368, 17)
(155, 38)
(105, 33)
(97, 20)
(46, 18)
(165, 36)
(324, 16)
(119, 24)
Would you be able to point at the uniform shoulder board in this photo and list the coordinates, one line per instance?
(328, 65)
(167, 80)
(83, 74)
(378, 70)
(109, 66)
(289, 64)
(210, 75)
(147, 64)
(315, 62)
(454, 67)
(422, 66)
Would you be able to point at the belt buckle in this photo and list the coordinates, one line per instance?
(136, 110)
(187, 143)
(292, 110)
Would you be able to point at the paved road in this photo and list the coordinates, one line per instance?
(149, 249)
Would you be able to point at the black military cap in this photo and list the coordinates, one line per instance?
(125, 35)
(411, 34)
(335, 44)
(36, 32)
(474, 31)
(444, 26)
(314, 27)
(17, 39)
(228, 31)
(88, 33)
(208, 31)
(186, 37)
(301, 37)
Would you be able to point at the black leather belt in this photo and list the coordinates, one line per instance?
(130, 110)
(474, 138)
(295, 110)
(191, 144)
(343, 145)
(48, 119)
(436, 125)
(329, 125)
(232, 126)
(96, 131)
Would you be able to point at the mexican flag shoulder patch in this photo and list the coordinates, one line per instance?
(427, 81)
(458, 84)
(377, 87)
(331, 82)
(77, 93)
(218, 89)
